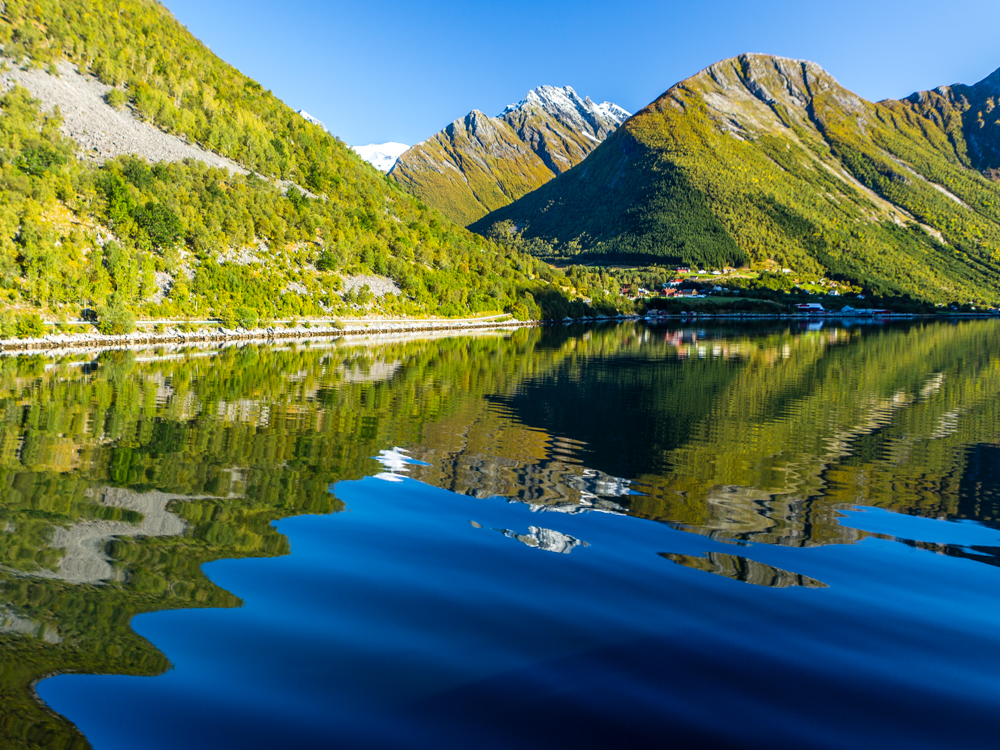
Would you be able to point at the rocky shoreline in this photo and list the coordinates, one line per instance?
(175, 336)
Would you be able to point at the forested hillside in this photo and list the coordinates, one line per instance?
(770, 161)
(175, 239)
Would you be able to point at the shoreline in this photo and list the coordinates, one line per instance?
(360, 327)
(220, 335)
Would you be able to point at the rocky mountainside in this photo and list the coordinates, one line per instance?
(968, 115)
(770, 161)
(480, 163)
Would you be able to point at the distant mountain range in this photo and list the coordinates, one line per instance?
(770, 161)
(480, 163)
(382, 156)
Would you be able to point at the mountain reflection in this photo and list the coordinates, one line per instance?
(121, 475)
(744, 570)
(548, 540)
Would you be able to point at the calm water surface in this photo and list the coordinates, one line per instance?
(630, 535)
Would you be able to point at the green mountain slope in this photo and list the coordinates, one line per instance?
(471, 167)
(767, 160)
(181, 239)
(480, 163)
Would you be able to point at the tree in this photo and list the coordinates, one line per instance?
(161, 225)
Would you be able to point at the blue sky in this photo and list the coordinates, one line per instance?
(388, 70)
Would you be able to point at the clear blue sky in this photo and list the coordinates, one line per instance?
(388, 70)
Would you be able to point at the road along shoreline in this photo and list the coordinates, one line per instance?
(325, 329)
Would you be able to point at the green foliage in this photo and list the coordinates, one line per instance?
(177, 84)
(116, 98)
(184, 220)
(246, 317)
(115, 320)
(653, 214)
(184, 239)
(162, 226)
(29, 326)
(8, 325)
(449, 173)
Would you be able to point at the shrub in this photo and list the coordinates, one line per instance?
(30, 326)
(115, 320)
(115, 98)
(519, 311)
(8, 326)
(329, 260)
(247, 317)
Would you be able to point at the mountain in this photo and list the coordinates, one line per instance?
(382, 156)
(770, 161)
(967, 114)
(144, 176)
(480, 163)
(315, 121)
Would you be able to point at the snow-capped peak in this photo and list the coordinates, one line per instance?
(565, 100)
(382, 156)
(309, 118)
(613, 112)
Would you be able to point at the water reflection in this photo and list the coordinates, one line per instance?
(548, 540)
(121, 475)
(744, 570)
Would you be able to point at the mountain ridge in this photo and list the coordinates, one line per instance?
(478, 163)
(767, 160)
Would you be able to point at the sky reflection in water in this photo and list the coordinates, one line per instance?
(627, 535)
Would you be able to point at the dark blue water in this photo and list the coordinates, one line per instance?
(627, 536)
(400, 624)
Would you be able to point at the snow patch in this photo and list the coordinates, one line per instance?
(383, 156)
(565, 100)
(309, 118)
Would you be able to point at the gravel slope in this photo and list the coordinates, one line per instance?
(102, 131)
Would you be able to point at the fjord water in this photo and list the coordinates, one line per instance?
(622, 535)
